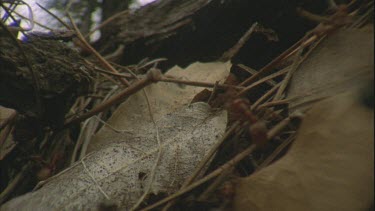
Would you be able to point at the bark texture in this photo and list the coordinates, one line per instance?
(191, 30)
(41, 78)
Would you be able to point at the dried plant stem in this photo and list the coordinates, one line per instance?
(273, 63)
(210, 176)
(105, 124)
(54, 16)
(79, 141)
(252, 72)
(279, 73)
(229, 54)
(276, 152)
(275, 103)
(103, 61)
(35, 22)
(265, 96)
(104, 23)
(285, 82)
(124, 75)
(152, 76)
(152, 62)
(296, 63)
(311, 16)
(198, 83)
(213, 93)
(281, 125)
(215, 184)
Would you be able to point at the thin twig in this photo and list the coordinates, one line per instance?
(104, 62)
(36, 22)
(12, 7)
(253, 72)
(276, 152)
(199, 83)
(110, 19)
(246, 89)
(213, 93)
(116, 54)
(152, 76)
(124, 75)
(296, 63)
(54, 16)
(273, 63)
(306, 40)
(363, 18)
(214, 185)
(152, 62)
(281, 125)
(79, 141)
(288, 76)
(205, 179)
(111, 127)
(229, 54)
(265, 96)
(312, 17)
(9, 12)
(275, 103)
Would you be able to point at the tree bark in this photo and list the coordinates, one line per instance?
(202, 30)
(41, 78)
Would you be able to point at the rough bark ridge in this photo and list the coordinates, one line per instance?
(41, 78)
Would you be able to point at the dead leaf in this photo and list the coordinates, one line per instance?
(341, 62)
(329, 167)
(122, 169)
(164, 98)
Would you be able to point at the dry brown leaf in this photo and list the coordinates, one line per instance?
(341, 62)
(329, 167)
(164, 98)
(122, 169)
